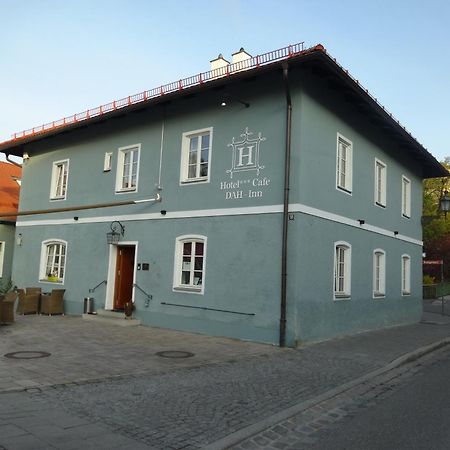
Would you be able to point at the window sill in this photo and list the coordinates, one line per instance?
(343, 189)
(342, 297)
(381, 205)
(121, 191)
(45, 280)
(57, 198)
(379, 295)
(406, 294)
(188, 289)
(406, 217)
(195, 180)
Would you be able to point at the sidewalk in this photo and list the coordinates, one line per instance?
(293, 427)
(106, 388)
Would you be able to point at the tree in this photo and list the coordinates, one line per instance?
(436, 227)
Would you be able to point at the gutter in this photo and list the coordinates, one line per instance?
(11, 161)
(287, 166)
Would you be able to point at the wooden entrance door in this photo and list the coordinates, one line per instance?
(123, 290)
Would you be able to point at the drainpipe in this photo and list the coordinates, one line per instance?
(33, 212)
(11, 161)
(287, 166)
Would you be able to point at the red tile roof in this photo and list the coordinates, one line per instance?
(9, 188)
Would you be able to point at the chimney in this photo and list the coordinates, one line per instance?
(219, 67)
(240, 60)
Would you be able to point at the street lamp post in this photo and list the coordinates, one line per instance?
(444, 203)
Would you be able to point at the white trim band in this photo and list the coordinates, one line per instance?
(268, 209)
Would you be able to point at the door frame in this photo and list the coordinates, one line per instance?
(111, 279)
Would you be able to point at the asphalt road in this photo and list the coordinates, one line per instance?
(415, 415)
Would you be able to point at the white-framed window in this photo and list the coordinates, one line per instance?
(406, 275)
(196, 155)
(406, 197)
(107, 162)
(380, 183)
(53, 261)
(128, 168)
(344, 164)
(379, 273)
(60, 176)
(2, 256)
(342, 270)
(189, 265)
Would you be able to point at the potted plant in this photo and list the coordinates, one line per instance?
(52, 277)
(129, 308)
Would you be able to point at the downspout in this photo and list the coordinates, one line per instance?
(11, 161)
(284, 247)
(34, 212)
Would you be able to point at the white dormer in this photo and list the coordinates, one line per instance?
(241, 60)
(219, 67)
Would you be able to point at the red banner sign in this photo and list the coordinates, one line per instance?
(436, 262)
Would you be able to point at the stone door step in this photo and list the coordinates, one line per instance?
(112, 317)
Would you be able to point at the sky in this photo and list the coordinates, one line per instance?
(58, 58)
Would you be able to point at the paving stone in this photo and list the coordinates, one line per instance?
(25, 442)
(115, 386)
(8, 430)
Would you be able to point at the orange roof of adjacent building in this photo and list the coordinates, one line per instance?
(9, 187)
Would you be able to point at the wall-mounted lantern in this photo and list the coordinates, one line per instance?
(19, 240)
(117, 230)
(444, 203)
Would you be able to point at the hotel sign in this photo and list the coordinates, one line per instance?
(245, 159)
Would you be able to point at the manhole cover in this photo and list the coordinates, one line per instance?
(175, 354)
(27, 355)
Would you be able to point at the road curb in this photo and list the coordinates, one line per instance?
(251, 430)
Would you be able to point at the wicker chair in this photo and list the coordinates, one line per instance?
(7, 304)
(29, 301)
(53, 303)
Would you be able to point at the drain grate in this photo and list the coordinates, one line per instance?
(27, 354)
(174, 354)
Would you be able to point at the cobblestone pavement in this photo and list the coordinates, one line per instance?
(198, 403)
(190, 408)
(304, 430)
(83, 350)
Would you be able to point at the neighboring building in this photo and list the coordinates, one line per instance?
(9, 201)
(213, 249)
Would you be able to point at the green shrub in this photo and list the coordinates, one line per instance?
(5, 286)
(427, 279)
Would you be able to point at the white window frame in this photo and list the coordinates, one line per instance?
(406, 275)
(345, 275)
(380, 183)
(2, 256)
(379, 273)
(54, 194)
(43, 275)
(184, 165)
(406, 197)
(107, 162)
(344, 168)
(178, 264)
(120, 168)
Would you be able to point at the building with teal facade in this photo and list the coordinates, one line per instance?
(270, 199)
